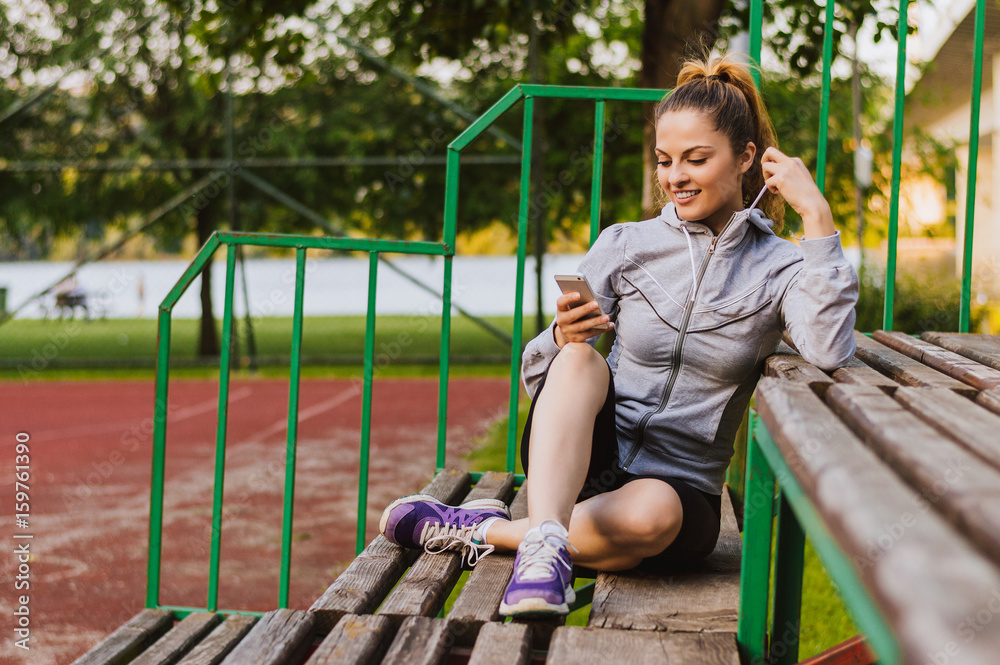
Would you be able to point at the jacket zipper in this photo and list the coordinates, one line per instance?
(678, 347)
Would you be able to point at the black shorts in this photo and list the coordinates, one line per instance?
(701, 511)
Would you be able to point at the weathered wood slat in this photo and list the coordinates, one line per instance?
(502, 644)
(355, 640)
(279, 638)
(957, 418)
(519, 506)
(786, 363)
(365, 583)
(420, 641)
(701, 598)
(903, 368)
(424, 588)
(950, 479)
(990, 399)
(130, 639)
(983, 349)
(479, 600)
(181, 638)
(919, 570)
(857, 373)
(574, 645)
(222, 640)
(954, 365)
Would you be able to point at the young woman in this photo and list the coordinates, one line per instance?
(626, 457)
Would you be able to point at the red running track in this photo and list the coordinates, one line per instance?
(90, 458)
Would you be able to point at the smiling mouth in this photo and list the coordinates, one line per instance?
(683, 196)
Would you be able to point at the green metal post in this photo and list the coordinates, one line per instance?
(522, 240)
(220, 432)
(450, 230)
(595, 180)
(366, 405)
(758, 510)
(756, 26)
(897, 160)
(293, 429)
(970, 191)
(787, 586)
(159, 455)
(824, 109)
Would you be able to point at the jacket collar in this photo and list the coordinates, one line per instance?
(733, 237)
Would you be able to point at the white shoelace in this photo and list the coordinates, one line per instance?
(540, 557)
(438, 538)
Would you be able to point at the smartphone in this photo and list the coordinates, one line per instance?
(578, 283)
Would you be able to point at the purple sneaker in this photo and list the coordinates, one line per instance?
(421, 521)
(542, 584)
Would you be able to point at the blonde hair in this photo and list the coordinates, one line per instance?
(723, 88)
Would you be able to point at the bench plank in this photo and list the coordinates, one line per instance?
(990, 399)
(420, 641)
(957, 366)
(786, 363)
(355, 640)
(424, 588)
(130, 639)
(220, 641)
(181, 638)
(479, 601)
(701, 597)
(365, 583)
(948, 477)
(280, 637)
(983, 349)
(857, 373)
(502, 644)
(919, 571)
(575, 645)
(957, 418)
(903, 368)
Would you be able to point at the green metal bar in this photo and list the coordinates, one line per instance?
(159, 455)
(787, 586)
(584, 596)
(366, 405)
(755, 571)
(897, 160)
(473, 131)
(595, 180)
(333, 243)
(200, 260)
(522, 241)
(220, 432)
(293, 428)
(444, 364)
(181, 611)
(824, 108)
(587, 92)
(475, 477)
(756, 27)
(970, 191)
(838, 566)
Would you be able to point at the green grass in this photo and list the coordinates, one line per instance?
(825, 621)
(331, 346)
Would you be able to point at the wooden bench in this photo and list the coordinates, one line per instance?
(385, 608)
(895, 476)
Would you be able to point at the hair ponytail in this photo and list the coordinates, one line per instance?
(724, 89)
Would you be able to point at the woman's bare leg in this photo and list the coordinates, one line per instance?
(611, 531)
(562, 431)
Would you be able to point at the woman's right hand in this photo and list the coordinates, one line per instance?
(570, 326)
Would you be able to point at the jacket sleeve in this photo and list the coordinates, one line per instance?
(817, 308)
(602, 267)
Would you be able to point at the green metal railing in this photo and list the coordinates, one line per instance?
(201, 262)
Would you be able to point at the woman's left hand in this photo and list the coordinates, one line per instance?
(789, 178)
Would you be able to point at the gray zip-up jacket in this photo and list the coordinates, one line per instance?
(696, 315)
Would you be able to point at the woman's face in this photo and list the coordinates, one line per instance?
(697, 168)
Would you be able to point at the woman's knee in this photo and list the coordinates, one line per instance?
(581, 358)
(654, 522)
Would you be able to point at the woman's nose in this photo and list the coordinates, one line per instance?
(677, 176)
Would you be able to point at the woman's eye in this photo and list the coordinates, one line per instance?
(698, 161)
(662, 163)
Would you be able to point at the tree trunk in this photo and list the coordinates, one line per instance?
(208, 340)
(671, 27)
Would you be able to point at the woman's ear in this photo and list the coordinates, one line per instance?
(745, 158)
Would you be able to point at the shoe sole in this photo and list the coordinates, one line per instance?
(474, 504)
(537, 607)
